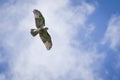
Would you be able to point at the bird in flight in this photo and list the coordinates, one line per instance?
(41, 29)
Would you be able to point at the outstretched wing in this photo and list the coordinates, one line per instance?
(44, 35)
(39, 19)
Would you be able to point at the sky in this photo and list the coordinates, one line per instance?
(85, 36)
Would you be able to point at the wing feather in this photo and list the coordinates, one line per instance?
(46, 38)
(39, 19)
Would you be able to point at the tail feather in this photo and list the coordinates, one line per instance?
(34, 32)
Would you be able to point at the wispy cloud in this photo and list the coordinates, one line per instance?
(2, 77)
(29, 58)
(112, 34)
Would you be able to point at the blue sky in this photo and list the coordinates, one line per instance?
(85, 35)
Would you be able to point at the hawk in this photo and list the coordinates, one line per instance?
(41, 29)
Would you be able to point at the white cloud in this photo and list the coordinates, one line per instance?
(2, 77)
(29, 58)
(112, 33)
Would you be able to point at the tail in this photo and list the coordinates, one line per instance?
(34, 32)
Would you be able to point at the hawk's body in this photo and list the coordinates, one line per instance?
(41, 29)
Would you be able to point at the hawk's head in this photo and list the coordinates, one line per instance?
(37, 13)
(46, 28)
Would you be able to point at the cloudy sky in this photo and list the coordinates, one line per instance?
(85, 35)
